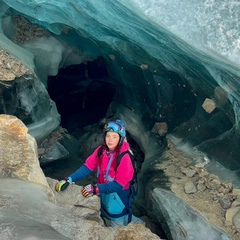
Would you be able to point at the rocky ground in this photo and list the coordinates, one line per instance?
(10, 68)
(217, 200)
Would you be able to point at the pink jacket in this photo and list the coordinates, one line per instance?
(106, 166)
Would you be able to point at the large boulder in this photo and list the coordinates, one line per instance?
(32, 209)
(19, 157)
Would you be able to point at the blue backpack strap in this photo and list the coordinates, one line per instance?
(108, 167)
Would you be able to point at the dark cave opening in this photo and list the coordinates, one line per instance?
(82, 94)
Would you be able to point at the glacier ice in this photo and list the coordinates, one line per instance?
(51, 54)
(133, 29)
(207, 25)
(183, 222)
(154, 50)
(35, 103)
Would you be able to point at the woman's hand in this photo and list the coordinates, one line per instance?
(62, 185)
(90, 190)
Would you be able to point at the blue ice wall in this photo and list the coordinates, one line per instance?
(197, 40)
(167, 57)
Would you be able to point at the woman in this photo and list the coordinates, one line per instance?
(113, 179)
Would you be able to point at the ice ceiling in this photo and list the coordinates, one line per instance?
(163, 58)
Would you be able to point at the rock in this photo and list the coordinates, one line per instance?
(57, 145)
(135, 231)
(203, 174)
(216, 182)
(41, 151)
(55, 151)
(236, 220)
(9, 76)
(236, 203)
(160, 128)
(189, 172)
(200, 165)
(71, 197)
(230, 214)
(223, 190)
(225, 202)
(213, 176)
(19, 155)
(229, 186)
(190, 187)
(144, 66)
(112, 57)
(236, 192)
(201, 186)
(208, 185)
(10, 68)
(27, 30)
(208, 105)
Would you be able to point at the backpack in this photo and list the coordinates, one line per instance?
(134, 181)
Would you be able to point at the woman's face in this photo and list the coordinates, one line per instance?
(112, 140)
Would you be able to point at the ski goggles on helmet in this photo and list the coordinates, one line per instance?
(115, 127)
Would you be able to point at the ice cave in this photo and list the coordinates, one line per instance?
(145, 62)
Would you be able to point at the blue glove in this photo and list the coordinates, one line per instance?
(90, 190)
(63, 184)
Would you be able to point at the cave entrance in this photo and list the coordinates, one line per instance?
(82, 94)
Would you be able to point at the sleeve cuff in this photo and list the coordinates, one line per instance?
(69, 179)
